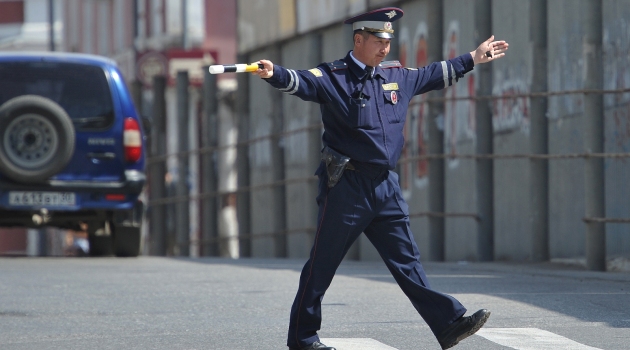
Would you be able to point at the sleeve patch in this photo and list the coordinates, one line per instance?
(316, 72)
(390, 64)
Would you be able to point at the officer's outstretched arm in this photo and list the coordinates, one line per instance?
(293, 82)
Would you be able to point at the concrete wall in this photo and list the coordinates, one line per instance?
(459, 131)
(511, 75)
(616, 61)
(264, 107)
(326, 41)
(301, 149)
(566, 183)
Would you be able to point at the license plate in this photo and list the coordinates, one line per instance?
(51, 199)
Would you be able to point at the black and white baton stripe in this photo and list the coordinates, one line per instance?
(235, 68)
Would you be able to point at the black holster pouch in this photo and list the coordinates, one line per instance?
(336, 164)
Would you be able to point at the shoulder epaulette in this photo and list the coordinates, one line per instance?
(338, 64)
(390, 64)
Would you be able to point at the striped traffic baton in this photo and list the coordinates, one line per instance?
(235, 68)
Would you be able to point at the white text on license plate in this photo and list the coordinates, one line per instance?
(53, 199)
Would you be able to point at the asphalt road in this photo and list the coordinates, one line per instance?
(167, 303)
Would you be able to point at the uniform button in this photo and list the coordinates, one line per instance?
(363, 105)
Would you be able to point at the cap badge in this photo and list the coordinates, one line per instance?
(388, 25)
(394, 97)
(391, 14)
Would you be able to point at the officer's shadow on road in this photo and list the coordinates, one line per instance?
(584, 295)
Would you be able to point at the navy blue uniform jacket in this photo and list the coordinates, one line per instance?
(366, 123)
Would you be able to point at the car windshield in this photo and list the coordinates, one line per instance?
(82, 90)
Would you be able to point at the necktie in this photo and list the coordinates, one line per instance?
(368, 75)
(369, 70)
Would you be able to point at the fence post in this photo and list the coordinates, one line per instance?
(157, 168)
(484, 135)
(278, 174)
(594, 137)
(437, 188)
(243, 209)
(209, 182)
(182, 221)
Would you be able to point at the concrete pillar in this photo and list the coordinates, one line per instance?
(227, 137)
(209, 140)
(278, 174)
(484, 140)
(437, 173)
(594, 137)
(539, 168)
(243, 198)
(157, 169)
(182, 211)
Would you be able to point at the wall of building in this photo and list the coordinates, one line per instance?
(24, 25)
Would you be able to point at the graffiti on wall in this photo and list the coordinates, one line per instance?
(617, 76)
(459, 122)
(566, 73)
(510, 113)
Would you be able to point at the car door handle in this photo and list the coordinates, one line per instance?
(102, 155)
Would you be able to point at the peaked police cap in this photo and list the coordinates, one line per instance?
(377, 22)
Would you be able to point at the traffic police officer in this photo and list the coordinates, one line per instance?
(364, 106)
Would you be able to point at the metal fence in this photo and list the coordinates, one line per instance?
(168, 204)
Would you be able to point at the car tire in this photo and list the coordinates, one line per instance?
(37, 138)
(126, 241)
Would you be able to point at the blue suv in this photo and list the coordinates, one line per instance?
(71, 149)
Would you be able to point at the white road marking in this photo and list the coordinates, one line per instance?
(530, 339)
(356, 344)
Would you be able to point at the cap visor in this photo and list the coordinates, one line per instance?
(383, 35)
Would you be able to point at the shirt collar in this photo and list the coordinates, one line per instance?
(361, 64)
(376, 72)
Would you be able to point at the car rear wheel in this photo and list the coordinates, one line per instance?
(126, 241)
(37, 138)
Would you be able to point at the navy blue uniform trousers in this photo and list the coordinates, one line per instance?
(373, 205)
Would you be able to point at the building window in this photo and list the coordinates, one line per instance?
(11, 12)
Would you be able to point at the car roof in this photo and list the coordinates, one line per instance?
(47, 56)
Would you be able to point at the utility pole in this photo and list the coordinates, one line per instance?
(185, 44)
(51, 24)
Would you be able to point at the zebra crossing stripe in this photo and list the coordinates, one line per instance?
(356, 344)
(530, 339)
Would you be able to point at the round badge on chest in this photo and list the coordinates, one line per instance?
(394, 97)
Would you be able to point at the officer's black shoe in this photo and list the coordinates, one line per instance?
(315, 346)
(463, 328)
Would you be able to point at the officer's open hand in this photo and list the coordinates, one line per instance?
(489, 51)
(267, 71)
